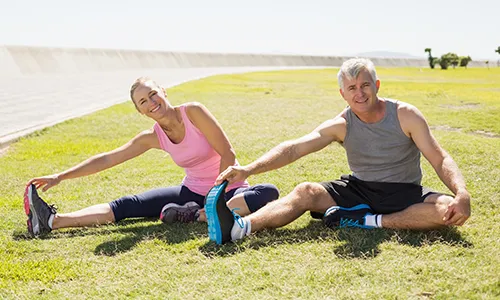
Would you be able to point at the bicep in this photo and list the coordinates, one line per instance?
(320, 137)
(133, 148)
(423, 138)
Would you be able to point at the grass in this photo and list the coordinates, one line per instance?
(143, 258)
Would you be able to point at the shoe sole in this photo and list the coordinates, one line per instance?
(215, 194)
(32, 223)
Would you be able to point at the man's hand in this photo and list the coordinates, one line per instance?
(232, 174)
(458, 210)
(46, 182)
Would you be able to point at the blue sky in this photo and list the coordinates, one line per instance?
(317, 27)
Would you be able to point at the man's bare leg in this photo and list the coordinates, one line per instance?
(306, 196)
(422, 216)
(94, 215)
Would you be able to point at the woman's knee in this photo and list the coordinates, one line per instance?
(255, 197)
(269, 191)
(122, 206)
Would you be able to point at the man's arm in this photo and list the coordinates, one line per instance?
(289, 151)
(415, 125)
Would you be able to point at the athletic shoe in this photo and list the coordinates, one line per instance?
(219, 218)
(341, 217)
(316, 215)
(186, 213)
(240, 226)
(38, 212)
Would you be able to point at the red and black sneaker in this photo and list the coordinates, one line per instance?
(38, 212)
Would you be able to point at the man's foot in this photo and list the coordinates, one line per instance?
(341, 217)
(219, 218)
(38, 212)
(316, 215)
(186, 213)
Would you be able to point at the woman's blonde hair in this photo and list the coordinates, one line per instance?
(137, 83)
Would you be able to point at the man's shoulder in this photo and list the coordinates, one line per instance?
(404, 107)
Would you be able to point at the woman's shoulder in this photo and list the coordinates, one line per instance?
(195, 111)
(192, 107)
(148, 137)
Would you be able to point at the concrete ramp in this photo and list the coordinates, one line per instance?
(30, 103)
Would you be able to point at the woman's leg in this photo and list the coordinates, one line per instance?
(93, 215)
(147, 204)
(248, 200)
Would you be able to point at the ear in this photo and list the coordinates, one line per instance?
(377, 85)
(342, 93)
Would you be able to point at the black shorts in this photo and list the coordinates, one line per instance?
(382, 197)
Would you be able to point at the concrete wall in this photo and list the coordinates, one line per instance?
(21, 60)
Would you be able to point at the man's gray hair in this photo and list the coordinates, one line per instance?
(350, 69)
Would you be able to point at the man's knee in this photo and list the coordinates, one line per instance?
(312, 195)
(441, 203)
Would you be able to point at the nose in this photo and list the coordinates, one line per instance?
(359, 92)
(153, 101)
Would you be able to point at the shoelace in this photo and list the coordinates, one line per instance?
(53, 208)
(237, 218)
(186, 216)
(348, 223)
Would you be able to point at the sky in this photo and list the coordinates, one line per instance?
(313, 27)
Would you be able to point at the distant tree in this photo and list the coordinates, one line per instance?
(448, 59)
(444, 63)
(464, 61)
(432, 60)
(498, 51)
(453, 58)
(487, 64)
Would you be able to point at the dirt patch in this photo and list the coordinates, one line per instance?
(477, 132)
(486, 133)
(462, 106)
(490, 90)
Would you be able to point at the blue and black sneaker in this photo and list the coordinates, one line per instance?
(340, 217)
(219, 218)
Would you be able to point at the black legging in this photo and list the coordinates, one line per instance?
(150, 203)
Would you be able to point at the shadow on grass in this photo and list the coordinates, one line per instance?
(170, 234)
(348, 243)
(126, 234)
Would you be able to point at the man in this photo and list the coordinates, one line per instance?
(383, 139)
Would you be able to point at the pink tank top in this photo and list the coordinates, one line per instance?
(199, 160)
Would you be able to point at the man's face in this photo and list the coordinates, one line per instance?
(361, 92)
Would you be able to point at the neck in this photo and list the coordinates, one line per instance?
(170, 120)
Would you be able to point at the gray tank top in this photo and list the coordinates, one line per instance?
(381, 151)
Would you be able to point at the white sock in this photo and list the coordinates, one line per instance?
(51, 219)
(238, 233)
(373, 220)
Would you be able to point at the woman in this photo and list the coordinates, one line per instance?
(195, 141)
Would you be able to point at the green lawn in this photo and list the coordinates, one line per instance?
(144, 258)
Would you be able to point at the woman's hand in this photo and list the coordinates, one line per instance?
(45, 182)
